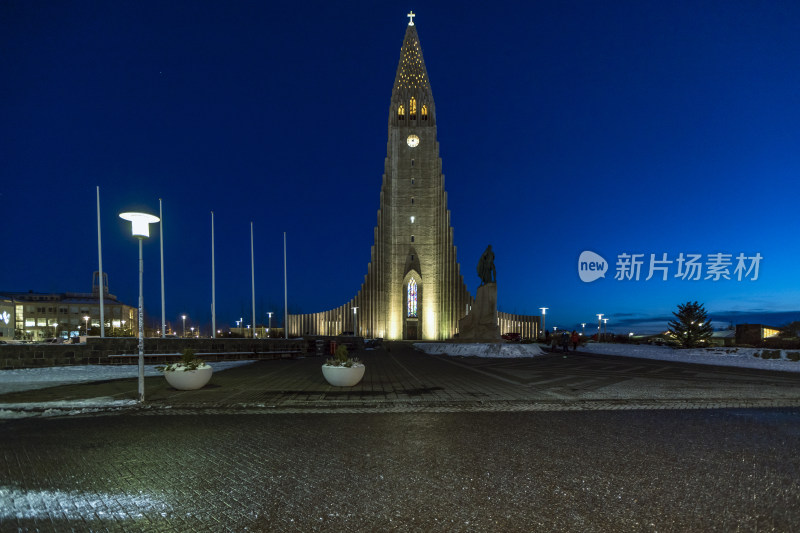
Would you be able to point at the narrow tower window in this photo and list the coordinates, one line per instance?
(424, 112)
(401, 112)
(412, 200)
(412, 162)
(412, 238)
(412, 297)
(412, 109)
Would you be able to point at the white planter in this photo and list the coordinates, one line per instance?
(189, 379)
(342, 376)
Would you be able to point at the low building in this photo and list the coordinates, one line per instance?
(38, 316)
(754, 333)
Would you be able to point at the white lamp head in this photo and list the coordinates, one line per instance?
(140, 223)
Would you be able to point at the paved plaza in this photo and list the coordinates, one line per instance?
(424, 443)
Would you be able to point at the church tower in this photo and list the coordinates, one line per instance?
(413, 288)
(414, 257)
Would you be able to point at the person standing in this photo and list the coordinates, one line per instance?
(575, 340)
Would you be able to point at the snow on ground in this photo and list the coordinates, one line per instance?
(23, 379)
(22, 504)
(480, 350)
(39, 378)
(721, 356)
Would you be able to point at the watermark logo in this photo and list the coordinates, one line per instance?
(591, 266)
(683, 266)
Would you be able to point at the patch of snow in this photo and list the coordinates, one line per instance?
(495, 350)
(23, 379)
(23, 504)
(61, 407)
(720, 356)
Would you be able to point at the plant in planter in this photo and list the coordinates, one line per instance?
(189, 374)
(343, 370)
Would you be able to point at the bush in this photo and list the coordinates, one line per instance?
(771, 354)
(793, 356)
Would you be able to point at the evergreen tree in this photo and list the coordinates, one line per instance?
(692, 326)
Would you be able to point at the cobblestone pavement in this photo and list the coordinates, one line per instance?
(590, 471)
(398, 378)
(577, 443)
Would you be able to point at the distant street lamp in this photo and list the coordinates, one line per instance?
(192, 328)
(583, 330)
(86, 329)
(270, 323)
(355, 317)
(184, 324)
(140, 228)
(55, 330)
(605, 329)
(544, 312)
(123, 327)
(599, 318)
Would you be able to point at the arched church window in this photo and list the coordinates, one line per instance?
(412, 108)
(401, 112)
(424, 112)
(412, 297)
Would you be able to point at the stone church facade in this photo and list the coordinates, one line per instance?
(413, 288)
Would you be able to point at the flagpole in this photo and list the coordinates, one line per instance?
(102, 293)
(285, 296)
(253, 280)
(213, 285)
(161, 243)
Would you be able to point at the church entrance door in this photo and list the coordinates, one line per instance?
(412, 329)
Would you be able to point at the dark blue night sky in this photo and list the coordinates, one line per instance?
(630, 127)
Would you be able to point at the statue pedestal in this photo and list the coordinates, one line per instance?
(481, 323)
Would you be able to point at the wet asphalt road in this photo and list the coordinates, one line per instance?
(637, 470)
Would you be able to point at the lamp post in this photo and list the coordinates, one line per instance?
(123, 327)
(599, 318)
(355, 317)
(184, 324)
(140, 228)
(269, 327)
(583, 328)
(605, 328)
(544, 312)
(192, 328)
(86, 328)
(55, 330)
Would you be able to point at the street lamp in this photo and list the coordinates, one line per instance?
(599, 318)
(55, 330)
(184, 324)
(544, 312)
(86, 329)
(583, 330)
(269, 327)
(355, 328)
(123, 327)
(140, 228)
(605, 329)
(192, 328)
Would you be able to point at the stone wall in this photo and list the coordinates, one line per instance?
(116, 350)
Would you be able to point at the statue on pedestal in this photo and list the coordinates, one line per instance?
(486, 270)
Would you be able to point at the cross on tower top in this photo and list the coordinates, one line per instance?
(411, 16)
